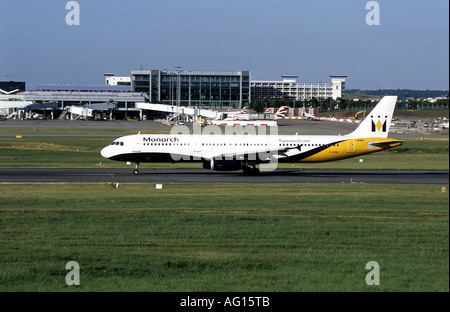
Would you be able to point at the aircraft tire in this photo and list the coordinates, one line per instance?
(250, 170)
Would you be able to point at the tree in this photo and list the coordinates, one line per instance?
(259, 105)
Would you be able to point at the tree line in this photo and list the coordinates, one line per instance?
(403, 94)
(328, 104)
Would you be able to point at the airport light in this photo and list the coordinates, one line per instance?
(178, 68)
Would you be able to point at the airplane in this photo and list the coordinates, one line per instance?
(241, 115)
(281, 112)
(309, 116)
(237, 117)
(231, 152)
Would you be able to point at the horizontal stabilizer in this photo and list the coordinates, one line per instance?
(386, 144)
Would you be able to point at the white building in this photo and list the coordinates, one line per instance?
(112, 80)
(338, 86)
(289, 88)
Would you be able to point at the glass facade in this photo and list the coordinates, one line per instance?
(140, 83)
(194, 88)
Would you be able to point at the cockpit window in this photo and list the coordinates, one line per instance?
(117, 143)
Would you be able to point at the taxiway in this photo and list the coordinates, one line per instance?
(209, 176)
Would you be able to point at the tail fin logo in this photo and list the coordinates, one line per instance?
(379, 126)
(282, 111)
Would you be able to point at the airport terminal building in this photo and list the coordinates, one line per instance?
(125, 97)
(98, 97)
(208, 89)
(67, 95)
(289, 88)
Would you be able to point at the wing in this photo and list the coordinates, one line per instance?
(259, 155)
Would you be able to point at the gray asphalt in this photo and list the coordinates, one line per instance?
(285, 126)
(209, 176)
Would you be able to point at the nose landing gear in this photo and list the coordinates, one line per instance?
(136, 167)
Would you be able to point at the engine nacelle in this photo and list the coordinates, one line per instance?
(226, 165)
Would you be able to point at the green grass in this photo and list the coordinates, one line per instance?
(223, 237)
(428, 145)
(84, 152)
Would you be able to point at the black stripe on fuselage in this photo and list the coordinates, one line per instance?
(154, 157)
(309, 153)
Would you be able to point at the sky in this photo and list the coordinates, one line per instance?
(309, 38)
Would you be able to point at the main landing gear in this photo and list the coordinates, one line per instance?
(251, 169)
(136, 167)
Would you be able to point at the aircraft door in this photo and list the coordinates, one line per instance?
(137, 144)
(351, 146)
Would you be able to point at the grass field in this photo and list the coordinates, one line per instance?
(224, 237)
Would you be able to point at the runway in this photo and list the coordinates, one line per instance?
(209, 176)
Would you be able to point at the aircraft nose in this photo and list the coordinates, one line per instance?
(106, 152)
